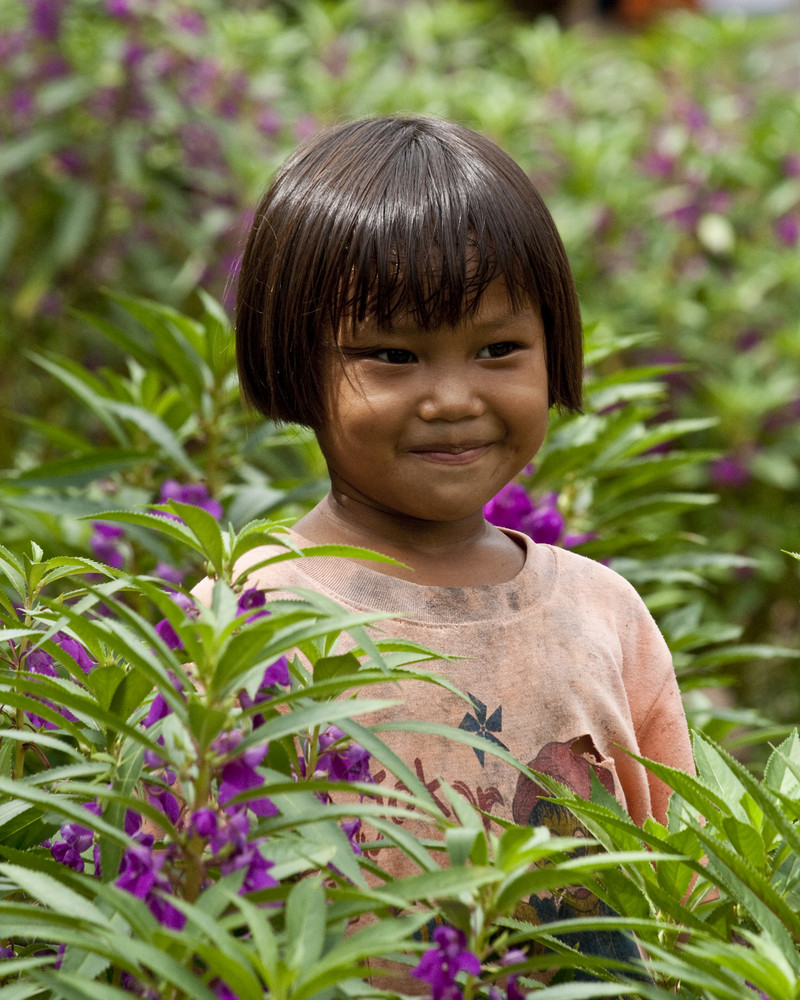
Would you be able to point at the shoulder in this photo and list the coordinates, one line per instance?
(585, 576)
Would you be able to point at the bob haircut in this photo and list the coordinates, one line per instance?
(393, 217)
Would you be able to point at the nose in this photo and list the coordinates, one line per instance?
(451, 395)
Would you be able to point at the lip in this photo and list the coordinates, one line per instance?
(451, 454)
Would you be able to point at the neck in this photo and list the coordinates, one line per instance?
(463, 553)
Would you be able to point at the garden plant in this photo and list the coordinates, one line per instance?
(186, 810)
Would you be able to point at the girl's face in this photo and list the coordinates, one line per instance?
(430, 425)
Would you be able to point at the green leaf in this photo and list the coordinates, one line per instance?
(331, 667)
(305, 924)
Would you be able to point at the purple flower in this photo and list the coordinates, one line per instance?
(104, 543)
(440, 965)
(140, 875)
(251, 599)
(350, 763)
(168, 635)
(240, 775)
(350, 827)
(233, 832)
(509, 508)
(74, 649)
(164, 800)
(67, 855)
(139, 870)
(222, 990)
(133, 822)
(39, 661)
(7, 953)
(204, 822)
(257, 876)
(545, 525)
(275, 674)
(159, 709)
(195, 494)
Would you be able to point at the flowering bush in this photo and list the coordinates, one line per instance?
(172, 823)
(138, 135)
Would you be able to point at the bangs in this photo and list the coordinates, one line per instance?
(423, 235)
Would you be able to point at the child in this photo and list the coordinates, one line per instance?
(405, 293)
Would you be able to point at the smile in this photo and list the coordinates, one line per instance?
(451, 454)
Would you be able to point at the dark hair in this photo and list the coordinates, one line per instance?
(389, 217)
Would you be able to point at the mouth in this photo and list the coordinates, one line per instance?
(451, 454)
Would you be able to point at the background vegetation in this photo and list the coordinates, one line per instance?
(136, 135)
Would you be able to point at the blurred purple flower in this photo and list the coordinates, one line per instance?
(791, 165)
(787, 230)
(223, 991)
(134, 54)
(658, 164)
(104, 543)
(165, 629)
(169, 574)
(71, 162)
(513, 508)
(121, 9)
(195, 494)
(749, 339)
(53, 68)
(233, 831)
(45, 18)
(304, 127)
(159, 707)
(269, 121)
(694, 116)
(509, 508)
(440, 965)
(191, 21)
(7, 953)
(545, 525)
(729, 472)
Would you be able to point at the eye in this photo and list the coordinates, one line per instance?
(395, 356)
(499, 350)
